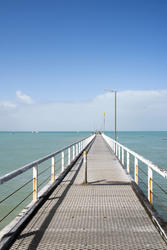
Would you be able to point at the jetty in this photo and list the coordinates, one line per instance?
(92, 204)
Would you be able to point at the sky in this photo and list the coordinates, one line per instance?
(57, 57)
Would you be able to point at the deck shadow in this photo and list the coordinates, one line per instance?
(109, 183)
(39, 233)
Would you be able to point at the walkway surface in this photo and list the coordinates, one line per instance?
(105, 214)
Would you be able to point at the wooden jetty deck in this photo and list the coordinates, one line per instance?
(104, 214)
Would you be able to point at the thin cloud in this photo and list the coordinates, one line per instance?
(6, 104)
(24, 98)
(136, 110)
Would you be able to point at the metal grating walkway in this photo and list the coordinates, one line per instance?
(106, 214)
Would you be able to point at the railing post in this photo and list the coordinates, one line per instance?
(83, 144)
(136, 170)
(116, 151)
(119, 150)
(62, 161)
(123, 162)
(76, 149)
(35, 182)
(79, 147)
(128, 162)
(85, 166)
(69, 156)
(53, 170)
(73, 152)
(150, 185)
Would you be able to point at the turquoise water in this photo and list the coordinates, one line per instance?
(153, 146)
(20, 148)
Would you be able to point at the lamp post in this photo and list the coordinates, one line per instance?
(115, 92)
(104, 120)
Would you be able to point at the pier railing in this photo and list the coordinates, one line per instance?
(149, 177)
(31, 180)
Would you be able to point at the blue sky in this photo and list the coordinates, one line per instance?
(70, 51)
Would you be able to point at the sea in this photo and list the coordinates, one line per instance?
(20, 148)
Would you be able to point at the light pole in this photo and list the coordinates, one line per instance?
(115, 92)
(104, 120)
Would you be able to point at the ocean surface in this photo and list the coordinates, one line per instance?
(20, 148)
(152, 145)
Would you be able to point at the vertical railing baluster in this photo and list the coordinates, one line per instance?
(85, 166)
(123, 162)
(76, 149)
(62, 161)
(119, 157)
(35, 182)
(73, 152)
(150, 185)
(128, 162)
(69, 156)
(52, 169)
(136, 170)
(83, 144)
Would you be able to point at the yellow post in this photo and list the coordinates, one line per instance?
(150, 185)
(136, 170)
(35, 183)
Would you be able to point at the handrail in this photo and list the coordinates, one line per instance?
(141, 158)
(59, 164)
(23, 169)
(119, 148)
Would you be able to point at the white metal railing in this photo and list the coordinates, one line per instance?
(118, 148)
(60, 160)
